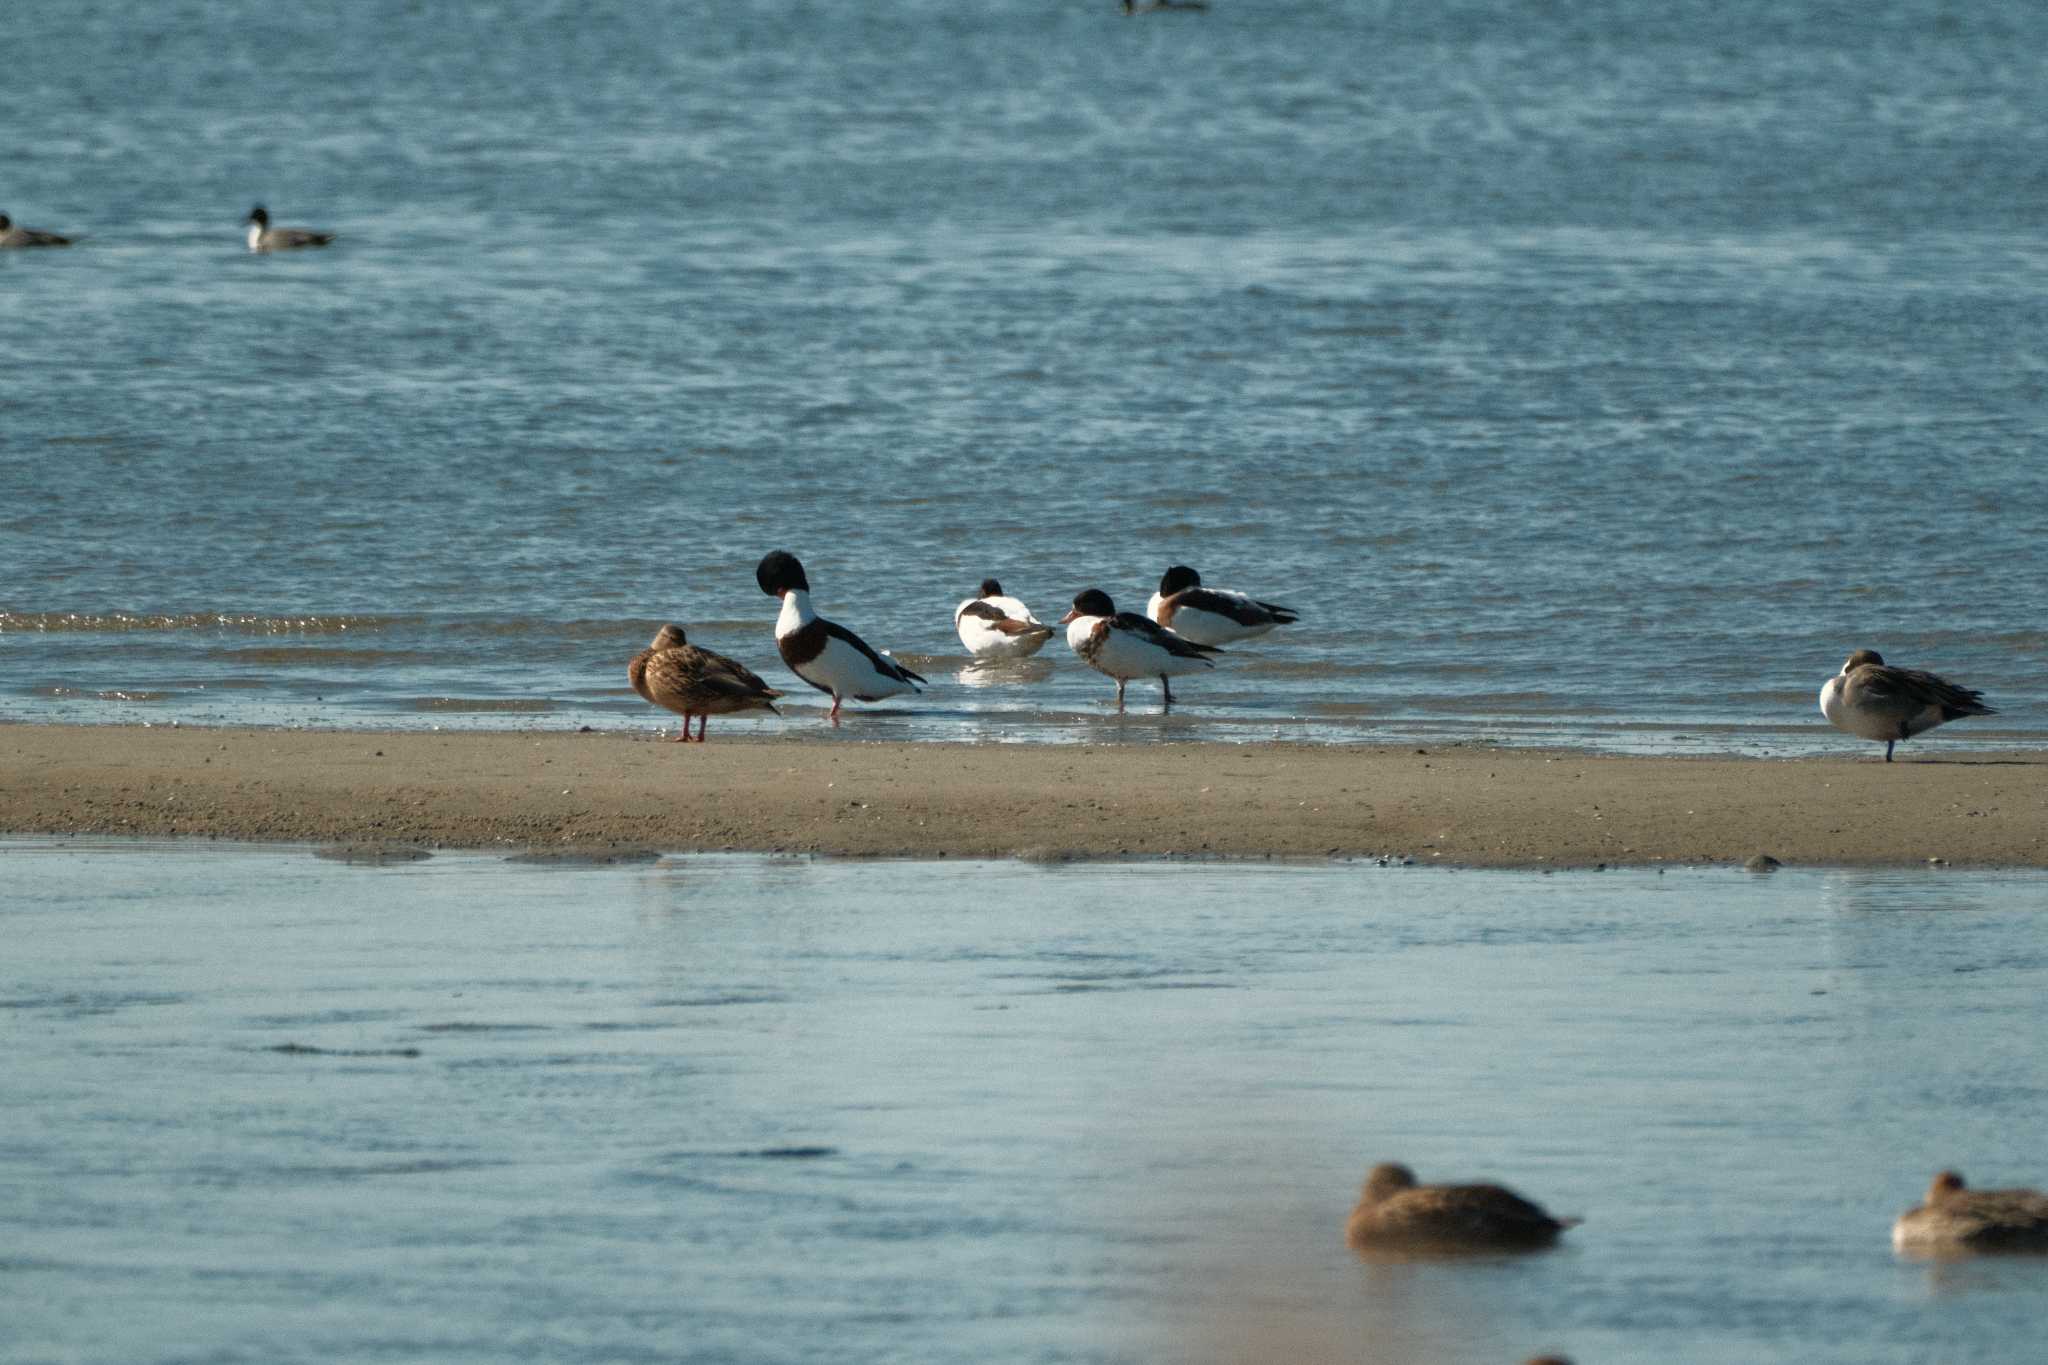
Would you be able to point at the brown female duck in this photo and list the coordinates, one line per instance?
(1956, 1220)
(1395, 1213)
(673, 673)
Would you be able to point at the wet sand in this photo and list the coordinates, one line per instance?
(595, 792)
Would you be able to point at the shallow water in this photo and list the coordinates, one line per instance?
(1583, 375)
(268, 1107)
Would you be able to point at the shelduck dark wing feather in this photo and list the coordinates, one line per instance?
(1233, 606)
(1152, 633)
(1285, 616)
(1010, 625)
(885, 666)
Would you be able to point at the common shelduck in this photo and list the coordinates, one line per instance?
(1211, 616)
(12, 236)
(1872, 699)
(1394, 1213)
(824, 653)
(1125, 645)
(994, 626)
(1955, 1220)
(264, 237)
(673, 673)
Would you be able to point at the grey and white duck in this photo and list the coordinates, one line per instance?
(1872, 699)
(264, 237)
(13, 236)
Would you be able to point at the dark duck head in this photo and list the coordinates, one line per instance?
(1093, 602)
(779, 572)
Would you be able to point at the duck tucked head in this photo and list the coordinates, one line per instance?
(259, 215)
(1178, 578)
(668, 637)
(779, 572)
(991, 588)
(1945, 1184)
(1862, 657)
(1385, 1180)
(1093, 602)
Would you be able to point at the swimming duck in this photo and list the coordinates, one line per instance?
(1395, 1213)
(673, 673)
(1872, 699)
(824, 653)
(1956, 1219)
(994, 626)
(12, 236)
(264, 237)
(1132, 7)
(1125, 645)
(1211, 616)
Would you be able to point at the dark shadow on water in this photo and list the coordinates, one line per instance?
(306, 1050)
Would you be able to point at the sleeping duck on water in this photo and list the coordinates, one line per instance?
(13, 236)
(994, 625)
(1396, 1213)
(264, 237)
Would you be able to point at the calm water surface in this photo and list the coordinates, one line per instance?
(1583, 374)
(267, 1107)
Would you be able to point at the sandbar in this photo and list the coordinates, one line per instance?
(1465, 805)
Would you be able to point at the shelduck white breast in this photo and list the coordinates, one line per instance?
(1125, 645)
(1211, 616)
(1876, 701)
(824, 653)
(994, 626)
(264, 237)
(691, 681)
